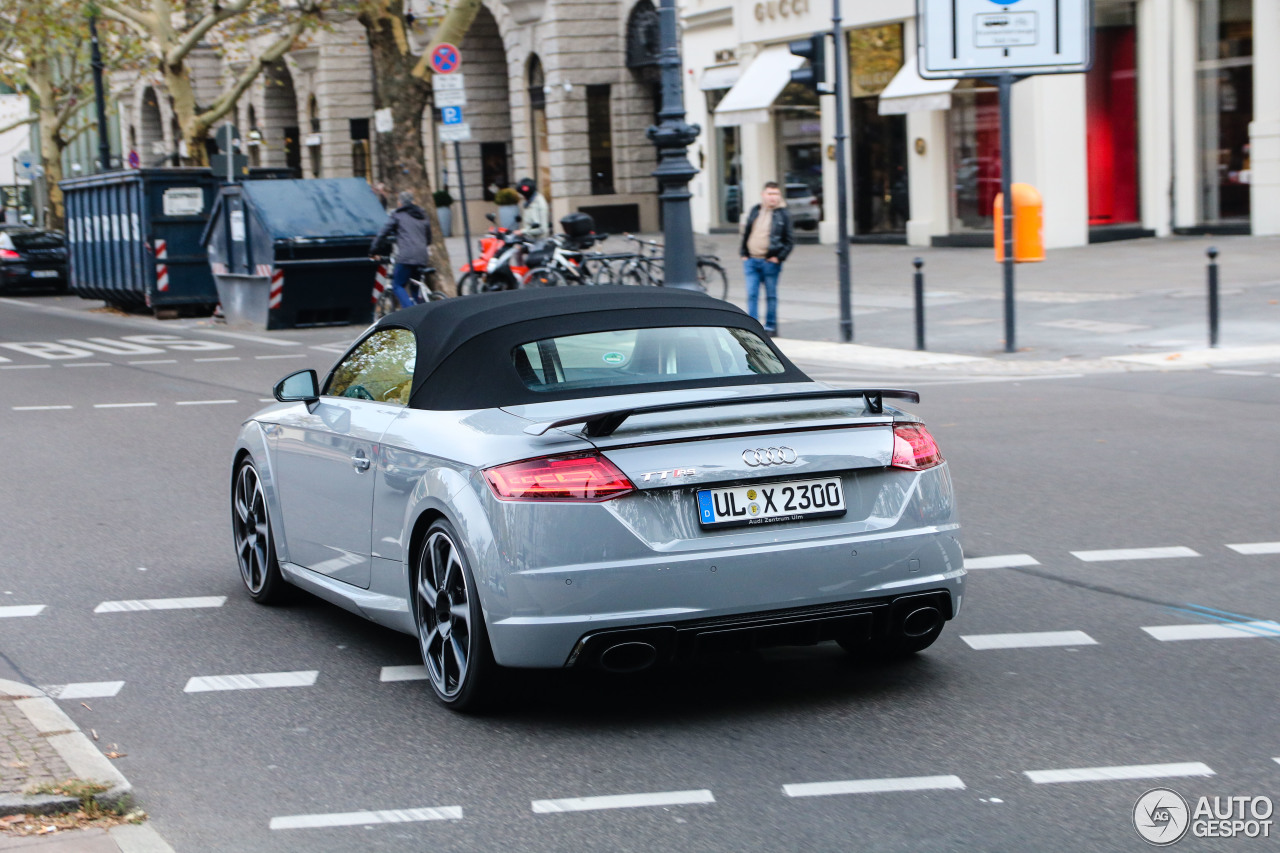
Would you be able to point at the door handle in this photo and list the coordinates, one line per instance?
(360, 461)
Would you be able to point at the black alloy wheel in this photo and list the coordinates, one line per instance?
(255, 543)
(451, 632)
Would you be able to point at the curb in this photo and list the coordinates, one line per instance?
(85, 761)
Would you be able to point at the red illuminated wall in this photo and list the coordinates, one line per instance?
(1112, 98)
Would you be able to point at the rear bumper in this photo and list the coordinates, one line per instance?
(809, 592)
(860, 621)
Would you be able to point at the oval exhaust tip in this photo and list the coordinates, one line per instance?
(921, 621)
(629, 657)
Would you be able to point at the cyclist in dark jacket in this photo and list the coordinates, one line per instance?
(408, 228)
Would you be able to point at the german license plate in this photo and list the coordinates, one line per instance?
(44, 273)
(770, 503)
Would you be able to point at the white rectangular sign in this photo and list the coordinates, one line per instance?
(455, 132)
(449, 90)
(183, 201)
(985, 38)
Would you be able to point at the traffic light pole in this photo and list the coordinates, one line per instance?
(842, 186)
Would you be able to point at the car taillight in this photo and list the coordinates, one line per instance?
(9, 255)
(566, 478)
(914, 448)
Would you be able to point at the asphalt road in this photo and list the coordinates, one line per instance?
(116, 489)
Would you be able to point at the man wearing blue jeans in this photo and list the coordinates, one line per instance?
(408, 228)
(767, 239)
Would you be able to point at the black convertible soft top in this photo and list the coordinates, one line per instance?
(465, 345)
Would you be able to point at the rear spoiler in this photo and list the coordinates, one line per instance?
(602, 424)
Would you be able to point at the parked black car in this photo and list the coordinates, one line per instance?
(31, 258)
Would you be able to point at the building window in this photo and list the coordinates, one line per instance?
(1225, 76)
(974, 126)
(600, 139)
(881, 200)
(494, 170)
(359, 147)
(1111, 122)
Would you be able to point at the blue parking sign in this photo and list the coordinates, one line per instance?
(451, 115)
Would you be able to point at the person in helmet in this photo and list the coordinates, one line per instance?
(535, 221)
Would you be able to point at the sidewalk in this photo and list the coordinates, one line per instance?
(41, 747)
(1127, 305)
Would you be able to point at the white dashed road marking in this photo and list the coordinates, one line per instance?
(156, 361)
(160, 604)
(403, 673)
(1029, 640)
(1242, 372)
(320, 821)
(1005, 561)
(1252, 548)
(1134, 554)
(83, 690)
(1109, 774)
(39, 408)
(26, 366)
(15, 610)
(123, 405)
(89, 364)
(254, 681)
(1218, 631)
(205, 402)
(622, 801)
(874, 786)
(223, 358)
(286, 355)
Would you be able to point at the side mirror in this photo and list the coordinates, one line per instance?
(491, 217)
(300, 387)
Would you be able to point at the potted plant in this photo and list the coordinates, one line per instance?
(508, 201)
(444, 211)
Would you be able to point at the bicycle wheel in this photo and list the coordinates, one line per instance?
(634, 273)
(544, 277)
(470, 283)
(606, 273)
(386, 304)
(713, 279)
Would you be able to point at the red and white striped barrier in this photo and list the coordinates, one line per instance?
(263, 270)
(277, 289)
(162, 266)
(381, 281)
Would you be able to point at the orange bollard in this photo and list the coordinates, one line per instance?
(1028, 225)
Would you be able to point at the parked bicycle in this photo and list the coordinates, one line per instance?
(646, 267)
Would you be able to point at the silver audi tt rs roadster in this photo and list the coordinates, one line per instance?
(611, 477)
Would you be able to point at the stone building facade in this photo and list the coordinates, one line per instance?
(561, 90)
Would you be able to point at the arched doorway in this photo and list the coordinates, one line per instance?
(150, 139)
(281, 137)
(538, 135)
(486, 159)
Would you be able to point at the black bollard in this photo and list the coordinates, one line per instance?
(1213, 296)
(918, 263)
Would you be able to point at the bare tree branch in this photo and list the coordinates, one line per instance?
(227, 100)
(5, 128)
(211, 19)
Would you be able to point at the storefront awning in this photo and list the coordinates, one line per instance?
(908, 92)
(719, 77)
(749, 100)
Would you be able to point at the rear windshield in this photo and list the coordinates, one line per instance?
(798, 191)
(34, 239)
(643, 356)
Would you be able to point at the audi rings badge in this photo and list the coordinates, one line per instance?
(760, 456)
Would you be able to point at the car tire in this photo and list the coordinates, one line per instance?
(450, 623)
(254, 539)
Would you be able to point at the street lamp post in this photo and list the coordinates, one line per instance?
(672, 136)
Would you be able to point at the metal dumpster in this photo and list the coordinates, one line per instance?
(133, 236)
(294, 253)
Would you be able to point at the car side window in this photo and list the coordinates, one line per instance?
(380, 369)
